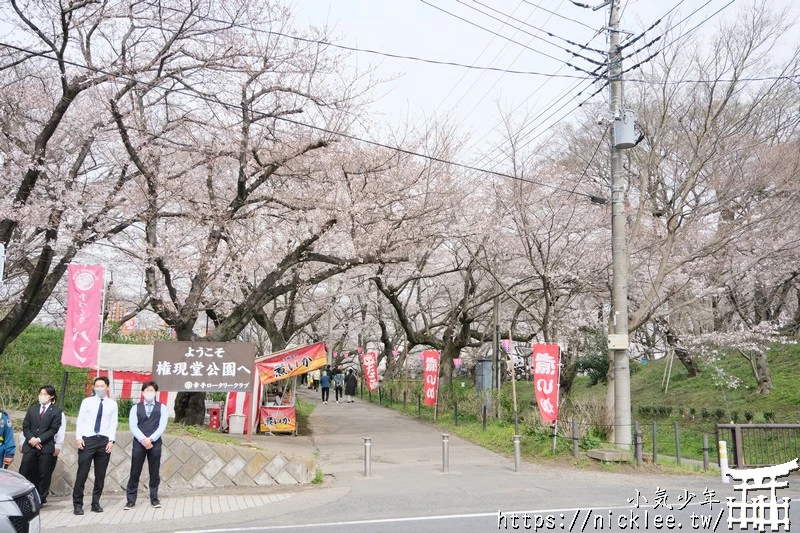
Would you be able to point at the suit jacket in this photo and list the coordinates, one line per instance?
(44, 428)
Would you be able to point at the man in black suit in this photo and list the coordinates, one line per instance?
(42, 422)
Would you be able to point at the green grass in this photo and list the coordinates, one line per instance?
(319, 478)
(200, 432)
(303, 410)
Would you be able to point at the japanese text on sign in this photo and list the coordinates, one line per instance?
(430, 386)
(545, 370)
(207, 367)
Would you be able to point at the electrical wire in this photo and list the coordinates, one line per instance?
(558, 15)
(579, 69)
(45, 55)
(572, 43)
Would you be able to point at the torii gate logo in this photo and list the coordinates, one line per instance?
(761, 512)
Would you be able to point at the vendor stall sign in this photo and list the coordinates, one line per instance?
(279, 419)
(293, 362)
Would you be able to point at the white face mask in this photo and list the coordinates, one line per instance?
(149, 396)
(100, 392)
(44, 399)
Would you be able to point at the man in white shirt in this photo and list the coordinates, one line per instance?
(148, 420)
(95, 433)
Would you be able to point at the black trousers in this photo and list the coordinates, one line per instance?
(37, 467)
(338, 391)
(138, 455)
(94, 451)
(326, 393)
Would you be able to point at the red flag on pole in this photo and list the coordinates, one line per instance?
(369, 361)
(431, 365)
(84, 308)
(546, 370)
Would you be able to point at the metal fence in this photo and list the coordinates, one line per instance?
(761, 444)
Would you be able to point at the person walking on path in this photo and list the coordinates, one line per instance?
(7, 445)
(315, 379)
(40, 426)
(148, 421)
(95, 433)
(350, 383)
(338, 383)
(325, 384)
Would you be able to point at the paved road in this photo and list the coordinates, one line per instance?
(408, 491)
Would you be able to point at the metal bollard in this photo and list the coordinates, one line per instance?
(484, 417)
(445, 452)
(705, 452)
(367, 456)
(517, 458)
(677, 444)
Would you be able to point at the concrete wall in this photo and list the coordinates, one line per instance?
(186, 463)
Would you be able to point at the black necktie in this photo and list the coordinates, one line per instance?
(99, 417)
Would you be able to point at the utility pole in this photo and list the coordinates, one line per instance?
(618, 342)
(496, 342)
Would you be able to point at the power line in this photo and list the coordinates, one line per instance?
(368, 50)
(45, 55)
(573, 43)
(579, 69)
(558, 15)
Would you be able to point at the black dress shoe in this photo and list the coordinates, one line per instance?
(97, 509)
(78, 510)
(155, 503)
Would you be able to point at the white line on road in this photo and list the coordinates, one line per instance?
(422, 518)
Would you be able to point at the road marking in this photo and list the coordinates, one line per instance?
(419, 519)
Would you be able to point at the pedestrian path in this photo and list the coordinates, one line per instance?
(58, 514)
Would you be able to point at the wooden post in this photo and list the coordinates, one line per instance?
(574, 437)
(705, 452)
(655, 442)
(677, 444)
(637, 435)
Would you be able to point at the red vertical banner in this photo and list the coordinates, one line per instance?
(84, 302)
(430, 361)
(369, 361)
(546, 370)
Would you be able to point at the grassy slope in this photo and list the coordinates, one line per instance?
(701, 391)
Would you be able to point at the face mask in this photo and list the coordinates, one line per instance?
(100, 392)
(149, 396)
(44, 400)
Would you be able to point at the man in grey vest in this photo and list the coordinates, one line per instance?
(148, 420)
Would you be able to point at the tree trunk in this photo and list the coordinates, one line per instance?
(569, 369)
(762, 373)
(686, 358)
(190, 407)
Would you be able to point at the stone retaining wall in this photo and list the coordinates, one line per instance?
(186, 463)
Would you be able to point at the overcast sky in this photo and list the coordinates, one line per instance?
(471, 98)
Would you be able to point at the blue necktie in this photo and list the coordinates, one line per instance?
(99, 417)
(149, 409)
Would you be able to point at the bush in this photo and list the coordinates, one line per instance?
(692, 412)
(735, 416)
(719, 414)
(769, 417)
(705, 413)
(748, 415)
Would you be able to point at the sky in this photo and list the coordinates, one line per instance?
(473, 100)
